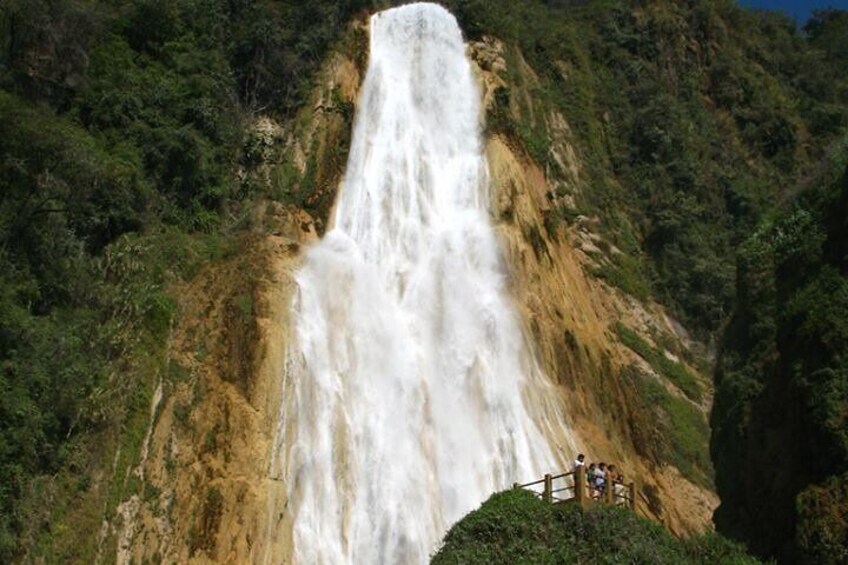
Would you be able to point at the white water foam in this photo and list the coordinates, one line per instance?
(410, 373)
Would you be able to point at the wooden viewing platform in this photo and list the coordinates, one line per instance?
(579, 490)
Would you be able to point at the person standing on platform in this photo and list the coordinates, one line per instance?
(579, 461)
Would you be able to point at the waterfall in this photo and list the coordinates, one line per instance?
(408, 386)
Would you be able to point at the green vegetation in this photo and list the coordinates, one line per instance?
(780, 420)
(657, 359)
(711, 136)
(691, 121)
(123, 128)
(626, 273)
(667, 428)
(516, 527)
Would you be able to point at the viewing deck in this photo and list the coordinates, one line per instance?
(574, 487)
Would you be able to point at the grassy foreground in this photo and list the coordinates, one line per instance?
(516, 527)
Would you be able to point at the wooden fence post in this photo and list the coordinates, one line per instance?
(580, 485)
(632, 489)
(583, 491)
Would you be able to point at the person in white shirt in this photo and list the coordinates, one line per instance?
(601, 478)
(579, 461)
(621, 493)
(577, 464)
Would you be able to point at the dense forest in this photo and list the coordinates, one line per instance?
(695, 120)
(714, 142)
(780, 425)
(123, 129)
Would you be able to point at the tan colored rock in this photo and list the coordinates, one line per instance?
(211, 488)
(209, 493)
(569, 316)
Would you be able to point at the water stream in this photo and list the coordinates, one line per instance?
(408, 381)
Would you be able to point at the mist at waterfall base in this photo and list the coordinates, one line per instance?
(409, 379)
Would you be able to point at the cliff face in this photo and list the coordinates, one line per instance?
(208, 484)
(573, 320)
(211, 488)
(206, 491)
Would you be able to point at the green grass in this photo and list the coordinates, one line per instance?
(516, 527)
(675, 372)
(624, 276)
(680, 434)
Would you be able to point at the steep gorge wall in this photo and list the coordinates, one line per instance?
(209, 489)
(571, 316)
(206, 491)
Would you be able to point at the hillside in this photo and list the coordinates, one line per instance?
(779, 420)
(517, 527)
(686, 163)
(667, 187)
(720, 158)
(129, 167)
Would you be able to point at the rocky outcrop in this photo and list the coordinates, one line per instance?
(207, 493)
(571, 316)
(209, 488)
(210, 482)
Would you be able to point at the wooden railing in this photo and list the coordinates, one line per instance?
(573, 487)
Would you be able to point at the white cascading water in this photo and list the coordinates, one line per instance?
(408, 384)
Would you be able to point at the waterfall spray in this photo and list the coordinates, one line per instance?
(406, 395)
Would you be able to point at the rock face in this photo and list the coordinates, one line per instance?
(209, 490)
(571, 316)
(207, 493)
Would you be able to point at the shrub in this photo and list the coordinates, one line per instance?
(656, 358)
(516, 527)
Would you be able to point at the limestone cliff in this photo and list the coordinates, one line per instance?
(571, 316)
(209, 490)
(210, 487)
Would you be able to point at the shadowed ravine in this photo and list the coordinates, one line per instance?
(410, 382)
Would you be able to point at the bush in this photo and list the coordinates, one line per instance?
(822, 534)
(656, 358)
(516, 527)
(678, 433)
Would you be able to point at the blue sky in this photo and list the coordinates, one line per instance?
(798, 9)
